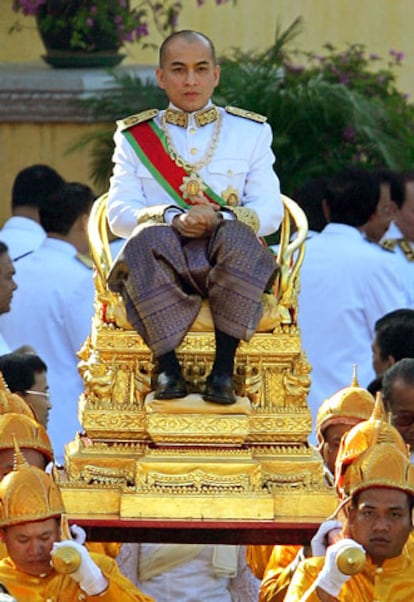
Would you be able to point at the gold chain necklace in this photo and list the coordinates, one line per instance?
(192, 186)
(208, 155)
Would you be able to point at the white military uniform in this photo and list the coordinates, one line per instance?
(346, 285)
(242, 161)
(51, 311)
(22, 235)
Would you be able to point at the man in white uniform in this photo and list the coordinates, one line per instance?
(399, 237)
(347, 283)
(53, 308)
(185, 179)
(22, 232)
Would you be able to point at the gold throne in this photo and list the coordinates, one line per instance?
(141, 458)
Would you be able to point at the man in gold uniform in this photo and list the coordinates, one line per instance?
(31, 508)
(377, 481)
(337, 414)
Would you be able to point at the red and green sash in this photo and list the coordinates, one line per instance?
(149, 142)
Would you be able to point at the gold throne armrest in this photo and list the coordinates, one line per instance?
(279, 307)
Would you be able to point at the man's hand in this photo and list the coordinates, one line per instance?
(325, 536)
(199, 221)
(330, 578)
(88, 575)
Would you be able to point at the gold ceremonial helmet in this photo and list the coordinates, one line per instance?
(349, 405)
(26, 432)
(27, 494)
(373, 453)
(11, 402)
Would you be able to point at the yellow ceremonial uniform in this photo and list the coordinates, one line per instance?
(278, 573)
(257, 558)
(56, 587)
(109, 548)
(392, 582)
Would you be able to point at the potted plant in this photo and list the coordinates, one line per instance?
(80, 33)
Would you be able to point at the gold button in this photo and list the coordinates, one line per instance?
(229, 172)
(379, 570)
(192, 130)
(194, 151)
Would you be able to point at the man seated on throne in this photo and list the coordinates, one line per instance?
(193, 188)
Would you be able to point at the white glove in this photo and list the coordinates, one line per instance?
(330, 579)
(319, 541)
(88, 575)
(78, 534)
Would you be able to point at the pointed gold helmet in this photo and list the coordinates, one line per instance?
(349, 405)
(27, 494)
(11, 402)
(26, 432)
(373, 453)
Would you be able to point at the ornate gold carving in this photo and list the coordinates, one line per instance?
(195, 428)
(147, 461)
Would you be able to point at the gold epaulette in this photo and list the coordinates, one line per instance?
(246, 114)
(389, 244)
(402, 243)
(128, 122)
(406, 249)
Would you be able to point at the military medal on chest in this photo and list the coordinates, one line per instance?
(231, 196)
(192, 187)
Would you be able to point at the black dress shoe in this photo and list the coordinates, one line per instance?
(219, 389)
(170, 386)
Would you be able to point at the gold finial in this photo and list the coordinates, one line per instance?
(19, 461)
(350, 560)
(66, 560)
(379, 410)
(355, 382)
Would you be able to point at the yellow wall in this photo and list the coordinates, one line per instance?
(251, 24)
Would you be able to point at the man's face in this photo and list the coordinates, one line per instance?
(379, 364)
(188, 74)
(405, 217)
(381, 523)
(29, 545)
(331, 439)
(38, 399)
(7, 284)
(401, 407)
(32, 456)
(380, 220)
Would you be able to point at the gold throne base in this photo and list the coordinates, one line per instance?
(143, 458)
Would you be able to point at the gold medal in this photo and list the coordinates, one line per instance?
(231, 196)
(192, 187)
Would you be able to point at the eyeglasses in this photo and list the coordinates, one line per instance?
(45, 394)
(404, 420)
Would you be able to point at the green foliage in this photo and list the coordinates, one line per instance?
(331, 112)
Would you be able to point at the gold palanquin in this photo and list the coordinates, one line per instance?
(146, 458)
